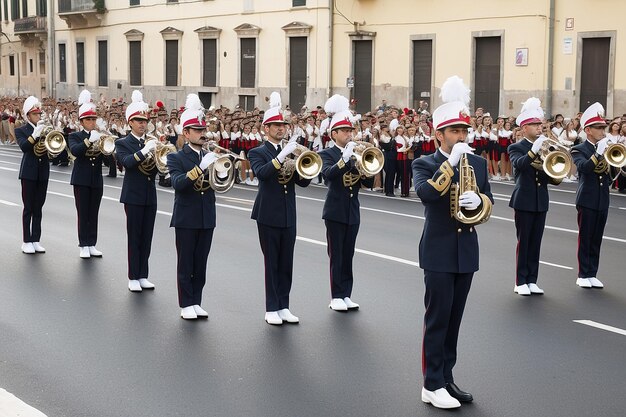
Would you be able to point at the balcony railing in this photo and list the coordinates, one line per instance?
(33, 24)
(80, 6)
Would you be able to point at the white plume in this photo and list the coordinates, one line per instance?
(29, 103)
(336, 104)
(532, 103)
(136, 97)
(356, 118)
(393, 125)
(275, 100)
(193, 102)
(324, 125)
(84, 97)
(453, 89)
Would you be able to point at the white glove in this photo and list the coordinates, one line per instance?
(38, 129)
(458, 150)
(601, 146)
(469, 200)
(149, 146)
(287, 150)
(207, 160)
(538, 143)
(94, 136)
(348, 151)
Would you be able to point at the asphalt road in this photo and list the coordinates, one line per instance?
(75, 342)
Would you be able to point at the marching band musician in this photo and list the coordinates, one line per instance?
(34, 174)
(87, 176)
(448, 250)
(193, 216)
(341, 208)
(530, 198)
(275, 213)
(592, 198)
(138, 192)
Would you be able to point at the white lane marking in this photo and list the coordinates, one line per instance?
(8, 169)
(556, 265)
(9, 203)
(11, 406)
(601, 326)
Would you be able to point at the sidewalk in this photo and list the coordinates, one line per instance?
(11, 406)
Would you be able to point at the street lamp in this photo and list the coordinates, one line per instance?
(17, 58)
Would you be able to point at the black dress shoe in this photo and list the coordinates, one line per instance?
(390, 194)
(455, 392)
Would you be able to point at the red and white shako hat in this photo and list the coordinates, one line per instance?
(594, 115)
(274, 114)
(193, 116)
(454, 111)
(339, 107)
(87, 106)
(31, 105)
(531, 112)
(137, 109)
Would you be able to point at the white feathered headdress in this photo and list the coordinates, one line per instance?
(531, 112)
(454, 110)
(137, 108)
(193, 116)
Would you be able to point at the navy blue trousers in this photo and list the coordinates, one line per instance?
(277, 244)
(192, 248)
(590, 230)
(139, 228)
(87, 200)
(341, 239)
(529, 226)
(444, 298)
(33, 197)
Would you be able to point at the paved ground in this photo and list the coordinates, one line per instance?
(75, 342)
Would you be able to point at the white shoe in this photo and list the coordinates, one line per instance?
(145, 284)
(522, 289)
(94, 252)
(247, 181)
(583, 283)
(285, 315)
(272, 317)
(84, 252)
(507, 177)
(440, 398)
(496, 177)
(28, 248)
(188, 313)
(350, 304)
(134, 286)
(39, 248)
(338, 304)
(534, 289)
(596, 283)
(200, 312)
(255, 181)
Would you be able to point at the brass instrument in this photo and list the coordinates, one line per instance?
(554, 159)
(467, 182)
(105, 145)
(219, 175)
(307, 163)
(615, 155)
(157, 157)
(369, 159)
(51, 142)
(212, 146)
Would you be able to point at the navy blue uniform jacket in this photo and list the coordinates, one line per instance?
(192, 209)
(342, 203)
(593, 188)
(138, 188)
(275, 203)
(446, 244)
(87, 170)
(531, 185)
(33, 167)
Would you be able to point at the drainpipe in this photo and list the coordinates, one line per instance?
(550, 59)
(51, 41)
(331, 8)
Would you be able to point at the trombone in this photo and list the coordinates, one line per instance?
(53, 143)
(554, 159)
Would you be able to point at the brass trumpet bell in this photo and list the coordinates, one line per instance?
(557, 164)
(308, 165)
(222, 174)
(160, 156)
(107, 144)
(369, 160)
(54, 142)
(615, 155)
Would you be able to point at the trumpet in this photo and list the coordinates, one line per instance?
(157, 157)
(554, 159)
(369, 159)
(615, 155)
(220, 174)
(105, 145)
(53, 143)
(307, 163)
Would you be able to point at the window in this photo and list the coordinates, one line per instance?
(15, 9)
(171, 63)
(297, 3)
(42, 63)
(41, 7)
(134, 2)
(11, 65)
(246, 102)
(209, 62)
(6, 10)
(248, 62)
(62, 64)
(103, 64)
(24, 8)
(80, 62)
(134, 50)
(23, 63)
(30, 64)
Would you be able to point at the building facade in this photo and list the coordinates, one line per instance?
(238, 51)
